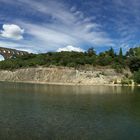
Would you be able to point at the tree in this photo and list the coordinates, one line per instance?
(134, 64)
(104, 59)
(137, 77)
(111, 52)
(120, 53)
(130, 53)
(91, 51)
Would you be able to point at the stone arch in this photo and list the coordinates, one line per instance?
(1, 57)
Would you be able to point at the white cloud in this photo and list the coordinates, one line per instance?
(23, 46)
(12, 31)
(57, 10)
(69, 49)
(67, 26)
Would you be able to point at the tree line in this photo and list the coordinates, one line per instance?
(118, 61)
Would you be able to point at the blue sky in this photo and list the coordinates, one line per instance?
(54, 25)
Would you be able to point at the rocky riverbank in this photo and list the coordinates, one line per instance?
(64, 76)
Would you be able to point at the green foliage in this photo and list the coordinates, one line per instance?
(77, 59)
(91, 52)
(104, 59)
(118, 68)
(120, 53)
(137, 77)
(134, 63)
(130, 53)
(133, 52)
(111, 52)
(126, 81)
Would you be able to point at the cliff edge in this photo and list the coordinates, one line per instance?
(63, 75)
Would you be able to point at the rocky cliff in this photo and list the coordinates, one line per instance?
(61, 75)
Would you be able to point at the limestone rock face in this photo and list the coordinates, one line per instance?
(61, 75)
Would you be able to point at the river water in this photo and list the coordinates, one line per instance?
(48, 112)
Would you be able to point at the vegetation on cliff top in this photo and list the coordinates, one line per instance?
(75, 59)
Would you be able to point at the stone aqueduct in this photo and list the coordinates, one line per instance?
(8, 53)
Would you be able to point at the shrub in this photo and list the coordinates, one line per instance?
(126, 81)
(134, 64)
(137, 77)
(118, 68)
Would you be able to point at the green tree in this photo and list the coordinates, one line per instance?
(134, 63)
(91, 51)
(104, 59)
(120, 53)
(137, 77)
(130, 53)
(111, 52)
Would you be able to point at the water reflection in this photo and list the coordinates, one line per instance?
(38, 88)
(37, 112)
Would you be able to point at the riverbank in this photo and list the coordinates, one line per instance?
(64, 76)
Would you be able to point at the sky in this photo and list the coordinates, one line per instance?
(39, 26)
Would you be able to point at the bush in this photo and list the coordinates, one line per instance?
(118, 68)
(137, 77)
(134, 64)
(76, 60)
(126, 81)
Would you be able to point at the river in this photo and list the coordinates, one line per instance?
(50, 112)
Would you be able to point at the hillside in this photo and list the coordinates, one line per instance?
(112, 67)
